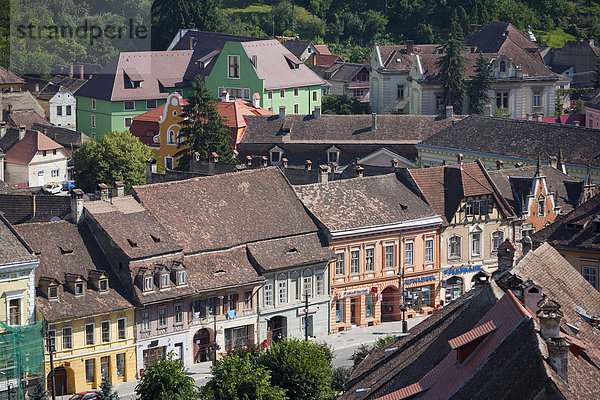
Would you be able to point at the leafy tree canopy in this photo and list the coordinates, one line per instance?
(342, 104)
(166, 380)
(117, 156)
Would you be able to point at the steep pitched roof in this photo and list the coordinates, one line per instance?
(296, 46)
(445, 186)
(222, 211)
(363, 202)
(516, 183)
(323, 60)
(340, 71)
(8, 77)
(23, 150)
(519, 139)
(274, 66)
(27, 118)
(65, 248)
(58, 83)
(13, 248)
(156, 69)
(68, 138)
(322, 49)
(492, 37)
(574, 230)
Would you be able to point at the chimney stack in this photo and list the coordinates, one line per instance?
(213, 159)
(576, 123)
(22, 130)
(81, 74)
(284, 162)
(410, 47)
(70, 70)
(281, 111)
(256, 100)
(10, 109)
(506, 256)
(395, 163)
(77, 205)
(102, 191)
(488, 110)
(449, 112)
(224, 96)
(317, 112)
(119, 189)
(373, 121)
(36, 88)
(506, 33)
(360, 170)
(308, 165)
(264, 161)
(459, 160)
(549, 315)
(499, 164)
(323, 173)
(248, 161)
(150, 169)
(2, 129)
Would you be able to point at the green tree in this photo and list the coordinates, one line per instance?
(480, 86)
(238, 378)
(203, 130)
(117, 156)
(339, 377)
(452, 67)
(106, 390)
(166, 380)
(578, 109)
(343, 105)
(302, 368)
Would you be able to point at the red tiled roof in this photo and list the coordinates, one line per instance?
(323, 59)
(23, 151)
(7, 77)
(472, 335)
(404, 393)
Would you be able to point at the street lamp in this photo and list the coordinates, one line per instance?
(402, 303)
(50, 348)
(214, 346)
(8, 385)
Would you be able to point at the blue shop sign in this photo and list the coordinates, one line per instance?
(420, 279)
(463, 270)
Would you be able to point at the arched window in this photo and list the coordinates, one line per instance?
(282, 289)
(502, 66)
(497, 239)
(454, 247)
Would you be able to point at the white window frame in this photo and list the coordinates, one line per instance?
(394, 253)
(319, 284)
(427, 258)
(49, 292)
(181, 278)
(102, 331)
(175, 314)
(125, 105)
(268, 299)
(492, 239)
(343, 262)
(282, 291)
(585, 275)
(479, 244)
(147, 312)
(63, 336)
(93, 325)
(148, 279)
(93, 121)
(168, 158)
(455, 256)
(166, 317)
(537, 98)
(237, 65)
(355, 271)
(307, 286)
(125, 329)
(105, 280)
(82, 288)
(372, 266)
(409, 252)
(164, 280)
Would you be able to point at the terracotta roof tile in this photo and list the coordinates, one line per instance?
(23, 150)
(473, 334)
(8, 77)
(290, 251)
(13, 248)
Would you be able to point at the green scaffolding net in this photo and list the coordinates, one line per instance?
(21, 359)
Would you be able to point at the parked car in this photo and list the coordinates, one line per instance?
(52, 188)
(87, 395)
(68, 185)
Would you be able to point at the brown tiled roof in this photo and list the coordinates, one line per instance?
(222, 211)
(290, 251)
(322, 49)
(58, 83)
(157, 294)
(13, 248)
(491, 38)
(68, 138)
(444, 187)
(65, 248)
(574, 230)
(472, 335)
(402, 364)
(363, 202)
(23, 151)
(32, 205)
(323, 60)
(521, 140)
(8, 77)
(273, 66)
(27, 118)
(158, 69)
(339, 71)
(137, 233)
(516, 183)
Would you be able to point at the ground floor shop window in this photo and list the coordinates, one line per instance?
(369, 306)
(454, 289)
(104, 366)
(339, 311)
(419, 297)
(90, 367)
(121, 364)
(154, 355)
(238, 337)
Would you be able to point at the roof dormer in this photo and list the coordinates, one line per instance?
(467, 343)
(145, 280)
(49, 287)
(99, 280)
(76, 283)
(179, 273)
(161, 276)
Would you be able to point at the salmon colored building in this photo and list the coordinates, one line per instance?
(159, 128)
(385, 240)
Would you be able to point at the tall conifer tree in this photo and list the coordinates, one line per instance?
(452, 66)
(481, 85)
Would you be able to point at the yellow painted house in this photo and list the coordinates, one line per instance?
(85, 309)
(159, 128)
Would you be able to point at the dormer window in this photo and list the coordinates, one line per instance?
(181, 278)
(164, 281)
(276, 154)
(78, 288)
(333, 155)
(147, 283)
(53, 292)
(103, 285)
(502, 66)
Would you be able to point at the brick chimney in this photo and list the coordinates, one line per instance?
(549, 315)
(22, 130)
(150, 169)
(77, 206)
(532, 295)
(264, 161)
(576, 123)
(499, 164)
(119, 189)
(506, 256)
(70, 70)
(102, 191)
(284, 162)
(449, 112)
(395, 163)
(459, 160)
(248, 161)
(308, 165)
(373, 121)
(317, 112)
(281, 111)
(360, 170)
(213, 159)
(410, 47)
(323, 173)
(81, 74)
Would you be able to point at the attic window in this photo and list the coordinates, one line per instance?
(147, 283)
(180, 277)
(164, 281)
(132, 243)
(293, 250)
(468, 342)
(103, 285)
(293, 64)
(219, 272)
(65, 251)
(53, 292)
(155, 238)
(78, 288)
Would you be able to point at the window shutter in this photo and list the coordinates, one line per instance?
(235, 300)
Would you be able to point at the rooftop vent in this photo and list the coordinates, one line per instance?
(155, 238)
(293, 250)
(132, 243)
(219, 272)
(64, 250)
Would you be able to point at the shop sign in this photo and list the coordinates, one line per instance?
(419, 279)
(463, 270)
(353, 293)
(302, 311)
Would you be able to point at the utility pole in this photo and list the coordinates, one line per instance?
(305, 316)
(50, 348)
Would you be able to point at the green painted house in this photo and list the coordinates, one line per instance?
(268, 68)
(129, 85)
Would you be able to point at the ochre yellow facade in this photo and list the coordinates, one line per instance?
(70, 363)
(164, 144)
